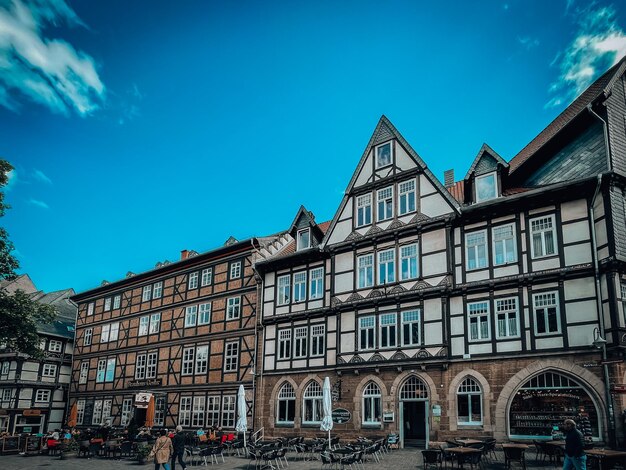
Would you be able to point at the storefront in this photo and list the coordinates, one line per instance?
(541, 404)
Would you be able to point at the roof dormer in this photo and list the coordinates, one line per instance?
(304, 230)
(483, 180)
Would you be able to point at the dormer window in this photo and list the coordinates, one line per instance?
(383, 155)
(486, 187)
(304, 239)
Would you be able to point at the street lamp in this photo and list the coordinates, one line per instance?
(600, 343)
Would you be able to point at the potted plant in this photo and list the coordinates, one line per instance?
(142, 453)
(69, 449)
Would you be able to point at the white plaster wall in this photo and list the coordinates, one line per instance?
(457, 346)
(434, 241)
(549, 343)
(403, 160)
(577, 254)
(433, 333)
(579, 335)
(579, 288)
(576, 232)
(434, 264)
(571, 210)
(508, 346)
(344, 283)
(581, 311)
(365, 172)
(456, 325)
(432, 309)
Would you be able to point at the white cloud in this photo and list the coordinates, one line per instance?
(599, 44)
(47, 71)
(38, 203)
(11, 180)
(41, 176)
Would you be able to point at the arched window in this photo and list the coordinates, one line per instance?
(312, 404)
(286, 404)
(413, 389)
(469, 399)
(372, 404)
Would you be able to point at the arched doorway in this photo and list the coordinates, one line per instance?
(542, 403)
(414, 414)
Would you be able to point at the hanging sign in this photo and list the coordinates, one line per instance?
(341, 415)
(142, 399)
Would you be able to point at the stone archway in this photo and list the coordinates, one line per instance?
(274, 398)
(486, 401)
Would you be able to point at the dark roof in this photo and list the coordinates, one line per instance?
(486, 149)
(290, 248)
(601, 86)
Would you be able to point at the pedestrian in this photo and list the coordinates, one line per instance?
(179, 448)
(161, 451)
(575, 457)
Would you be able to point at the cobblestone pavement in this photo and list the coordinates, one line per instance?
(395, 460)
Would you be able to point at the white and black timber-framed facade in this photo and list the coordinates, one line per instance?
(183, 332)
(464, 308)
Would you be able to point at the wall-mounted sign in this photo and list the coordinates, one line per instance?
(142, 399)
(144, 383)
(32, 413)
(436, 410)
(388, 417)
(341, 416)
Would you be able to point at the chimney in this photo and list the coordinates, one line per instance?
(448, 178)
(184, 254)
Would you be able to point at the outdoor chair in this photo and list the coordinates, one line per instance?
(490, 449)
(83, 449)
(348, 460)
(358, 458)
(473, 459)
(512, 455)
(126, 449)
(281, 457)
(552, 453)
(328, 460)
(255, 455)
(94, 449)
(431, 458)
(540, 451)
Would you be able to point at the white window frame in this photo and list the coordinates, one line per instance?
(481, 178)
(80, 411)
(371, 402)
(407, 194)
(286, 396)
(188, 362)
(408, 270)
(233, 310)
(387, 267)
(299, 287)
(147, 293)
(377, 152)
(284, 289)
(155, 323)
(478, 314)
(87, 337)
(231, 356)
(104, 333)
(191, 316)
(144, 325)
(508, 309)
(300, 340)
(184, 411)
(127, 408)
(117, 301)
(300, 236)
(364, 210)
(107, 304)
(554, 304)
(388, 330)
(6, 365)
(100, 372)
(7, 394)
(84, 372)
(228, 411)
(469, 388)
(365, 272)
(90, 307)
(316, 283)
(109, 374)
(157, 290)
(204, 313)
(235, 270)
(409, 321)
(384, 204)
(318, 340)
(193, 281)
(140, 366)
(542, 233)
(96, 417)
(197, 412)
(42, 396)
(284, 344)
(481, 262)
(202, 360)
(312, 398)
(207, 277)
(49, 370)
(213, 410)
(510, 256)
(114, 332)
(367, 324)
(152, 365)
(55, 346)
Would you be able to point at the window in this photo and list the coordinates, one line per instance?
(213, 411)
(96, 417)
(469, 403)
(623, 291)
(147, 291)
(284, 289)
(284, 344)
(207, 276)
(406, 195)
(286, 404)
(49, 370)
(233, 309)
(504, 245)
(184, 411)
(316, 284)
(110, 371)
(367, 339)
(159, 411)
(411, 328)
(384, 198)
(408, 262)
(300, 341)
(155, 323)
(102, 363)
(107, 304)
(476, 249)
(478, 313)
(386, 266)
(90, 308)
(388, 330)
(140, 366)
(235, 270)
(87, 337)
(365, 275)
(202, 359)
(151, 368)
(5, 367)
(191, 316)
(318, 339)
(231, 360)
(205, 314)
(144, 322)
(84, 373)
(383, 155)
(157, 292)
(506, 318)
(188, 356)
(312, 410)
(546, 309)
(303, 239)
(80, 411)
(42, 396)
(127, 407)
(115, 330)
(193, 280)
(55, 346)
(299, 287)
(486, 187)
(197, 414)
(364, 210)
(106, 410)
(542, 232)
(117, 300)
(372, 404)
(7, 394)
(228, 411)
(104, 334)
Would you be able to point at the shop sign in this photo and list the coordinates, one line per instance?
(31, 413)
(436, 410)
(618, 388)
(341, 415)
(590, 364)
(142, 399)
(145, 383)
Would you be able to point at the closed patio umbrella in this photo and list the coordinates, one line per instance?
(150, 413)
(242, 413)
(327, 420)
(73, 417)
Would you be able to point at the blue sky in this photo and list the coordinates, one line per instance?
(138, 129)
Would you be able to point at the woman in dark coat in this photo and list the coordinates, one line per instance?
(179, 448)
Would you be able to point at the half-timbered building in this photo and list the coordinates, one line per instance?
(490, 306)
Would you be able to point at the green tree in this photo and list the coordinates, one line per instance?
(19, 314)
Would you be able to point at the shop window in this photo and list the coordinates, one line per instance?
(312, 404)
(286, 404)
(469, 403)
(372, 404)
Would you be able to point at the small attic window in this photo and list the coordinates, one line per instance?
(486, 187)
(383, 155)
(304, 239)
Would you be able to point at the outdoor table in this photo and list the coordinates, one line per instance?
(459, 451)
(436, 445)
(468, 442)
(514, 446)
(603, 455)
(343, 451)
(555, 443)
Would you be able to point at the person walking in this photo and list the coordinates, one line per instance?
(161, 451)
(179, 448)
(575, 457)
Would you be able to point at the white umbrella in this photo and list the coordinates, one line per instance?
(242, 412)
(327, 421)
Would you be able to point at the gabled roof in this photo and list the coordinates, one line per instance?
(290, 248)
(458, 191)
(302, 213)
(489, 151)
(600, 87)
